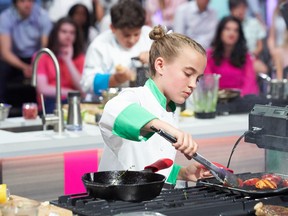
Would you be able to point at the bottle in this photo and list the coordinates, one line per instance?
(4, 193)
(74, 121)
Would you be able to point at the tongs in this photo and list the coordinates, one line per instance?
(221, 174)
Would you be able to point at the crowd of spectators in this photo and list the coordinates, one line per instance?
(94, 41)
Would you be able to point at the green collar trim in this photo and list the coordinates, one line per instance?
(159, 95)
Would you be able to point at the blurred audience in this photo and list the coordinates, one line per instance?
(60, 8)
(276, 38)
(102, 8)
(80, 14)
(281, 59)
(230, 58)
(66, 43)
(108, 59)
(197, 21)
(24, 29)
(161, 12)
(254, 33)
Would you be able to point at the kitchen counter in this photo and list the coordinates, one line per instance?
(44, 142)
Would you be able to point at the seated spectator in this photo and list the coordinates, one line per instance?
(161, 12)
(190, 18)
(254, 33)
(80, 14)
(66, 43)
(276, 38)
(229, 57)
(281, 60)
(59, 8)
(108, 58)
(24, 29)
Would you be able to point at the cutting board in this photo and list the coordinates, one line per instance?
(46, 209)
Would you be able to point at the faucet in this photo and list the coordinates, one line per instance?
(55, 119)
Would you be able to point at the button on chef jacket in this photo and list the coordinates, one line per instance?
(123, 117)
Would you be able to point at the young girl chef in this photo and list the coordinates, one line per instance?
(176, 64)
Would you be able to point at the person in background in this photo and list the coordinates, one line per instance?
(176, 64)
(65, 41)
(254, 33)
(281, 60)
(80, 14)
(161, 12)
(197, 21)
(24, 29)
(108, 58)
(276, 38)
(230, 58)
(59, 8)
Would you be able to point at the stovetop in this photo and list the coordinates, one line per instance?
(198, 200)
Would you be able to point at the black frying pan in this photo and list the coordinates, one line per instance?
(127, 185)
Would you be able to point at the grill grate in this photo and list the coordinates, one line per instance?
(199, 200)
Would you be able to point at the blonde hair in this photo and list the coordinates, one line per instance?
(169, 45)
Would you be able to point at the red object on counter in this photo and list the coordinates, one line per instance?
(29, 110)
(75, 165)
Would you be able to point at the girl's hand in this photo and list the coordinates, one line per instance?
(185, 144)
(193, 172)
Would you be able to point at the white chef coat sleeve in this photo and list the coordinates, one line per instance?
(95, 76)
(125, 117)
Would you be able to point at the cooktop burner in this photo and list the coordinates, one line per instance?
(199, 200)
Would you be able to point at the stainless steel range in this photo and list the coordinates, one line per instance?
(198, 200)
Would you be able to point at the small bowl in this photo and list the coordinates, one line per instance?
(4, 111)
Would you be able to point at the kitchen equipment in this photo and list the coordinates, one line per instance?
(74, 121)
(127, 185)
(223, 175)
(197, 200)
(228, 94)
(268, 127)
(247, 190)
(4, 111)
(205, 96)
(142, 72)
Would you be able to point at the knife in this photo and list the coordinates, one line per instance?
(222, 175)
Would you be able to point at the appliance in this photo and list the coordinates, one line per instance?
(268, 127)
(198, 200)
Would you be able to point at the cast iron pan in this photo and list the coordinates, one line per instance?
(247, 190)
(134, 186)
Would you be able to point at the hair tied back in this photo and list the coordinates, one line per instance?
(159, 32)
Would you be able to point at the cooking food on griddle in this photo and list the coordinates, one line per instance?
(270, 210)
(265, 184)
(266, 181)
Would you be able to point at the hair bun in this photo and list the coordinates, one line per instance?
(157, 33)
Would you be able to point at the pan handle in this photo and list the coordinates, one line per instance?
(159, 165)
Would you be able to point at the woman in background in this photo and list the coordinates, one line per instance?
(65, 41)
(229, 57)
(80, 14)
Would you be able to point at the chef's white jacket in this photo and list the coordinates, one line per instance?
(104, 54)
(123, 117)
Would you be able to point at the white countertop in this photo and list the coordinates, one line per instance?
(45, 142)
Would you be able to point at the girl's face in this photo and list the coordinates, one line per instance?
(66, 34)
(126, 37)
(230, 33)
(178, 79)
(80, 16)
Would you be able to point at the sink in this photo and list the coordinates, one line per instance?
(23, 129)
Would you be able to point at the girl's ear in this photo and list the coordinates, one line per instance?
(159, 65)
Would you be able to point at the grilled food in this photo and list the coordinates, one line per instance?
(265, 184)
(270, 210)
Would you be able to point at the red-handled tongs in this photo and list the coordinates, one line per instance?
(221, 174)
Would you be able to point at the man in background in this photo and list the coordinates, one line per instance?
(24, 29)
